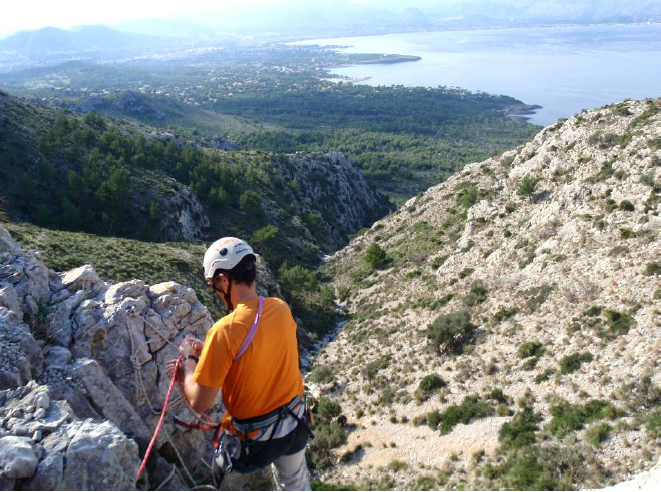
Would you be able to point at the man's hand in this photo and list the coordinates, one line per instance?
(190, 346)
(169, 369)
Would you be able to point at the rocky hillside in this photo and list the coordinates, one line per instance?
(503, 327)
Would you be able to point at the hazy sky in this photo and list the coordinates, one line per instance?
(18, 15)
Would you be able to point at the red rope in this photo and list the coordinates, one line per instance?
(166, 404)
(160, 421)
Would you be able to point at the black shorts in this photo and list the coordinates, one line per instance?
(258, 454)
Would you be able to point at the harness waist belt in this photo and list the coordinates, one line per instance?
(248, 425)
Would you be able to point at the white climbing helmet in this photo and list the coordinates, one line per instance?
(225, 254)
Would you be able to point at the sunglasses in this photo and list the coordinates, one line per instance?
(211, 283)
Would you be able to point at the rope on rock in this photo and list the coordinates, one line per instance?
(160, 420)
(168, 478)
(138, 377)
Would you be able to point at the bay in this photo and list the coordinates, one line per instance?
(564, 69)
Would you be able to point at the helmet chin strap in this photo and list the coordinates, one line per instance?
(228, 295)
(228, 298)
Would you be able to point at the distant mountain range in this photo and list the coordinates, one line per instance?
(325, 17)
(87, 38)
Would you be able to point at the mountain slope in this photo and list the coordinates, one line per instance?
(529, 286)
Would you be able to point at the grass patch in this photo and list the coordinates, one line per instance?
(531, 349)
(428, 385)
(476, 295)
(597, 434)
(520, 431)
(538, 296)
(568, 418)
(572, 363)
(653, 268)
(472, 408)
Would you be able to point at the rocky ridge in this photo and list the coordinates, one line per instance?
(82, 378)
(554, 245)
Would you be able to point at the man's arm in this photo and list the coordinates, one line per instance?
(200, 397)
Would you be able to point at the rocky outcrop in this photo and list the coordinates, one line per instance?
(554, 245)
(329, 186)
(184, 218)
(82, 369)
(46, 447)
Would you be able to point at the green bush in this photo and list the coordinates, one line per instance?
(527, 186)
(326, 438)
(426, 483)
(428, 385)
(434, 419)
(295, 278)
(324, 486)
(568, 418)
(572, 363)
(520, 431)
(375, 256)
(477, 294)
(468, 194)
(620, 323)
(503, 314)
(266, 235)
(449, 332)
(597, 434)
(251, 202)
(506, 162)
(538, 296)
(327, 410)
(653, 268)
(544, 376)
(654, 423)
(397, 465)
(321, 374)
(626, 206)
(472, 408)
(373, 368)
(593, 311)
(531, 349)
(530, 364)
(431, 383)
(387, 396)
(627, 234)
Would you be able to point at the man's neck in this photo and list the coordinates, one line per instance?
(243, 293)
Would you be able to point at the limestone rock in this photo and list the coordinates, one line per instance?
(55, 355)
(17, 458)
(88, 469)
(109, 400)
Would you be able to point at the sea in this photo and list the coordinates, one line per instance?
(564, 69)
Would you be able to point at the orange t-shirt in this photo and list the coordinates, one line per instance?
(267, 375)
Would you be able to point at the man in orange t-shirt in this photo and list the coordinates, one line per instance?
(252, 354)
